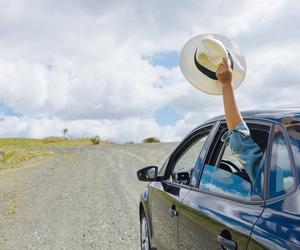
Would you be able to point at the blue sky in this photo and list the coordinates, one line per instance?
(111, 68)
(167, 59)
(8, 111)
(166, 115)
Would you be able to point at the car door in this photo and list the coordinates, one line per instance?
(165, 196)
(222, 210)
(279, 225)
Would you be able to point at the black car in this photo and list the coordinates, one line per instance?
(202, 197)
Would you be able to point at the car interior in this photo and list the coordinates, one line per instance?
(259, 134)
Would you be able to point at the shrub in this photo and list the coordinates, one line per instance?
(65, 131)
(53, 139)
(95, 140)
(151, 140)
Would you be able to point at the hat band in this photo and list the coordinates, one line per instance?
(206, 71)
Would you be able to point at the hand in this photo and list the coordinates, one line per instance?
(224, 73)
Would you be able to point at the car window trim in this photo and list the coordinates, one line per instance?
(291, 191)
(222, 151)
(206, 147)
(268, 162)
(252, 121)
(176, 184)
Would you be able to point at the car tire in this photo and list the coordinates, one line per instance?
(144, 233)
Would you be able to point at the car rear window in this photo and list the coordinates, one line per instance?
(293, 130)
(281, 169)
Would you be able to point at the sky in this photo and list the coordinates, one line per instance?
(110, 68)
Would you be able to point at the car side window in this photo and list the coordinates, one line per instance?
(281, 172)
(230, 162)
(225, 174)
(186, 162)
(228, 178)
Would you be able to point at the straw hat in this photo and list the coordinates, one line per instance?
(200, 57)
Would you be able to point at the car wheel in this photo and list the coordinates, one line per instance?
(144, 233)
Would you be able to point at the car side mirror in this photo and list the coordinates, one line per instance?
(147, 173)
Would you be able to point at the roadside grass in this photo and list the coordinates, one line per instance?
(151, 140)
(61, 141)
(14, 151)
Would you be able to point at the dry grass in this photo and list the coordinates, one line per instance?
(16, 150)
(60, 141)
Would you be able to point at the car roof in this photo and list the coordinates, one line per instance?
(275, 115)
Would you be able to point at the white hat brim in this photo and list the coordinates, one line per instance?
(200, 80)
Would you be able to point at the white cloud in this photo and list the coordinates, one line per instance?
(81, 64)
(288, 182)
(114, 130)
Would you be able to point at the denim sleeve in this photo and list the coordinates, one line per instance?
(245, 149)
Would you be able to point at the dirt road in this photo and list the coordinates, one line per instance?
(81, 198)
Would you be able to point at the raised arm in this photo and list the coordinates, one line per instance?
(240, 141)
(232, 113)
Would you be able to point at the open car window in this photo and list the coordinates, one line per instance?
(224, 172)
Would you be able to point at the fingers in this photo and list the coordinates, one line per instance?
(223, 66)
(225, 61)
(224, 72)
(220, 66)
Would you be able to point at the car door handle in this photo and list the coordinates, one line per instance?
(226, 243)
(173, 212)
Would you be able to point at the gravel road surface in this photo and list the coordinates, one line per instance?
(80, 198)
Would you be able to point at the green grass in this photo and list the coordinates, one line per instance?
(17, 150)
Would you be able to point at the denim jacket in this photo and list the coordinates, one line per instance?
(245, 149)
